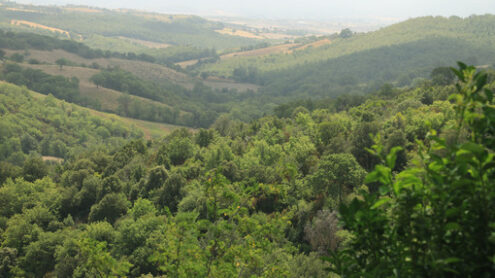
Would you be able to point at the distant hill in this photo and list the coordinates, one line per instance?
(368, 70)
(479, 30)
(127, 27)
(396, 54)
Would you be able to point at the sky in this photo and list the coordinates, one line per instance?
(297, 9)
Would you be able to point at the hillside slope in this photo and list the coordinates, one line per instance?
(62, 126)
(368, 70)
(479, 30)
(126, 26)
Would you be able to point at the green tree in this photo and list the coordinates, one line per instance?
(98, 262)
(34, 168)
(179, 150)
(8, 261)
(337, 175)
(110, 208)
(346, 33)
(62, 62)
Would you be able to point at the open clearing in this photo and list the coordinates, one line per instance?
(252, 35)
(239, 33)
(82, 10)
(107, 97)
(38, 26)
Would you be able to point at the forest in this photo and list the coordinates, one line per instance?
(305, 193)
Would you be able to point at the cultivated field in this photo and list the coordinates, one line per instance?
(39, 26)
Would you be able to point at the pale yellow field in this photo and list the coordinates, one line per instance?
(251, 35)
(239, 33)
(21, 10)
(82, 9)
(39, 26)
(53, 159)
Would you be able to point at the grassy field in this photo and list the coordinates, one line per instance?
(281, 49)
(147, 71)
(107, 97)
(150, 129)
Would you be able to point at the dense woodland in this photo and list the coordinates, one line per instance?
(366, 157)
(267, 198)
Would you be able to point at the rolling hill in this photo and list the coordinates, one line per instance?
(178, 98)
(478, 30)
(126, 26)
(398, 54)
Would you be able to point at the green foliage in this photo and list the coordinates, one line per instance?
(253, 199)
(434, 218)
(34, 168)
(110, 208)
(36, 80)
(337, 175)
(98, 262)
(11, 40)
(48, 127)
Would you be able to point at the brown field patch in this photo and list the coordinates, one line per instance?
(160, 17)
(21, 10)
(315, 44)
(185, 64)
(239, 33)
(38, 26)
(148, 44)
(253, 35)
(82, 10)
(277, 49)
(52, 159)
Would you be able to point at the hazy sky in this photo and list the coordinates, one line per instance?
(297, 9)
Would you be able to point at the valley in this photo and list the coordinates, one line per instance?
(135, 143)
